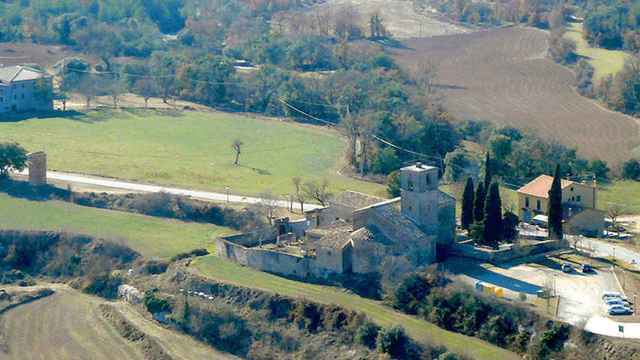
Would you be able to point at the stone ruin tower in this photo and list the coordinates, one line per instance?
(37, 168)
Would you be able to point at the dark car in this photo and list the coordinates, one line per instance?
(586, 268)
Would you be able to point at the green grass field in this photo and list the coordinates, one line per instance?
(188, 149)
(225, 271)
(605, 62)
(624, 194)
(152, 237)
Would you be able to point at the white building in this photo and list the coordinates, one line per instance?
(24, 88)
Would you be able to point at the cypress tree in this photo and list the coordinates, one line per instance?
(478, 209)
(555, 206)
(467, 205)
(493, 228)
(488, 174)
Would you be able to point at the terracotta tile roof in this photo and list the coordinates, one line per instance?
(541, 185)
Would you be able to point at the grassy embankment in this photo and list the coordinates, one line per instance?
(189, 149)
(152, 237)
(421, 330)
(605, 62)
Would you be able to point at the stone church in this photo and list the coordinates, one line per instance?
(357, 233)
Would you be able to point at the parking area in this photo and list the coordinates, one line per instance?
(580, 294)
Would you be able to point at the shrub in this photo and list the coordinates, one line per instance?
(154, 267)
(367, 334)
(103, 285)
(395, 342)
(155, 304)
(631, 169)
(192, 253)
(307, 316)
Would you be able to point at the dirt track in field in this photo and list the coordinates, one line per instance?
(504, 76)
(68, 325)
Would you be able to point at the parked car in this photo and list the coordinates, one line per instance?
(567, 268)
(615, 301)
(586, 268)
(619, 310)
(611, 294)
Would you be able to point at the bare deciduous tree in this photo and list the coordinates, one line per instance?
(146, 88)
(237, 148)
(425, 74)
(317, 190)
(268, 205)
(614, 211)
(299, 194)
(87, 88)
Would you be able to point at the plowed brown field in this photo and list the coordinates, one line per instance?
(504, 76)
(68, 325)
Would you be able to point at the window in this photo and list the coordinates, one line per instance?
(526, 202)
(579, 198)
(428, 179)
(538, 206)
(572, 188)
(410, 185)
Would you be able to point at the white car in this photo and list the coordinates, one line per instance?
(619, 310)
(611, 294)
(613, 301)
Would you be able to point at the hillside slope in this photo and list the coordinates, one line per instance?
(68, 325)
(504, 76)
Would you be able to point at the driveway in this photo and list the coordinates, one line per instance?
(146, 188)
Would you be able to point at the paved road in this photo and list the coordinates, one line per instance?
(139, 187)
(604, 249)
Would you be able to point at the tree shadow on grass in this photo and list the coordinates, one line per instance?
(258, 171)
(24, 190)
(17, 117)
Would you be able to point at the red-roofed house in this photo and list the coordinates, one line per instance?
(578, 199)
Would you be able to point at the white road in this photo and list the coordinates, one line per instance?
(605, 249)
(146, 188)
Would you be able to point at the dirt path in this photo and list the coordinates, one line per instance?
(68, 325)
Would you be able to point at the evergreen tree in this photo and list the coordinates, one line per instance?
(555, 206)
(493, 227)
(478, 209)
(467, 205)
(488, 174)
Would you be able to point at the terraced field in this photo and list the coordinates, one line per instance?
(504, 76)
(68, 325)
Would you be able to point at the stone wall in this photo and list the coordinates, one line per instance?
(466, 249)
(272, 261)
